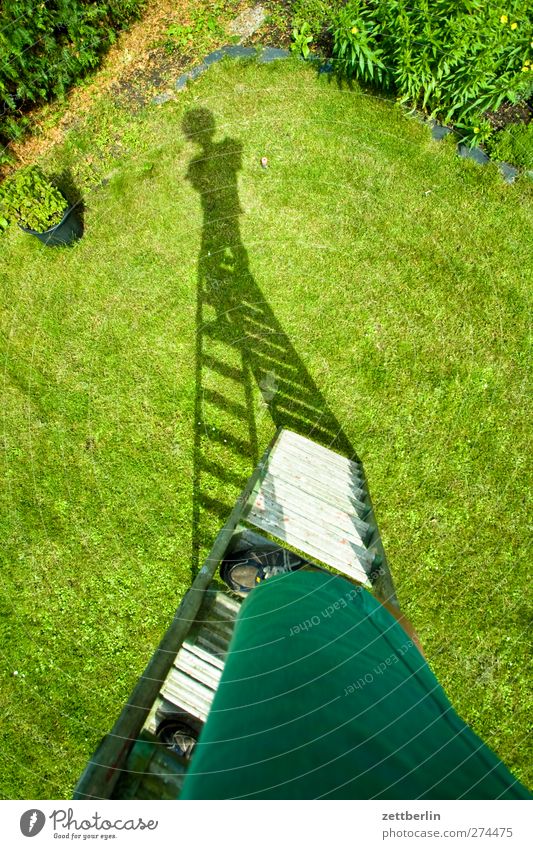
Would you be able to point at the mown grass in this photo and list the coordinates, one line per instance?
(389, 276)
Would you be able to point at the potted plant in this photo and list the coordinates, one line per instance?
(39, 208)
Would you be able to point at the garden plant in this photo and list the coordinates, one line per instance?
(459, 62)
(29, 199)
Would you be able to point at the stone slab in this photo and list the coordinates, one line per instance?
(247, 22)
(474, 153)
(159, 99)
(439, 132)
(508, 172)
(271, 54)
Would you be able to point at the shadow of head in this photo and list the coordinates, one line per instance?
(198, 126)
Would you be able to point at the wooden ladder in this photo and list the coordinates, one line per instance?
(301, 495)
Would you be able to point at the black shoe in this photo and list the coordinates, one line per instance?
(243, 570)
(178, 737)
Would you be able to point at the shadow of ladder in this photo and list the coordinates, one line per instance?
(234, 350)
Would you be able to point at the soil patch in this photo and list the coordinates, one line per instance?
(133, 70)
(510, 113)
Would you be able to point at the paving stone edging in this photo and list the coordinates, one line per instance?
(439, 132)
(234, 51)
(271, 54)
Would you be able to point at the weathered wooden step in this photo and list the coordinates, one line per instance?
(317, 451)
(314, 500)
(349, 499)
(187, 694)
(311, 452)
(341, 554)
(206, 672)
(280, 495)
(152, 772)
(192, 681)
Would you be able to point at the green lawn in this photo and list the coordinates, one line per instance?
(368, 289)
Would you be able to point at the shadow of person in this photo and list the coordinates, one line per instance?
(239, 342)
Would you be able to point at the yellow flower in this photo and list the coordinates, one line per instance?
(355, 30)
(476, 129)
(525, 68)
(514, 25)
(504, 19)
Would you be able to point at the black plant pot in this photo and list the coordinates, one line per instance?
(69, 229)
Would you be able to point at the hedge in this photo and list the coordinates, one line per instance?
(47, 46)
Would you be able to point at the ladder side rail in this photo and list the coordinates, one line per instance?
(103, 770)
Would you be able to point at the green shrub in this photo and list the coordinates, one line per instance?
(514, 144)
(361, 44)
(474, 134)
(317, 14)
(453, 58)
(31, 200)
(301, 39)
(45, 47)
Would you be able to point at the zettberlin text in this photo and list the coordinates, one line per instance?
(407, 815)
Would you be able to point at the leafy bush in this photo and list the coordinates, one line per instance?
(31, 200)
(360, 43)
(317, 14)
(454, 58)
(474, 134)
(301, 39)
(513, 144)
(47, 46)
